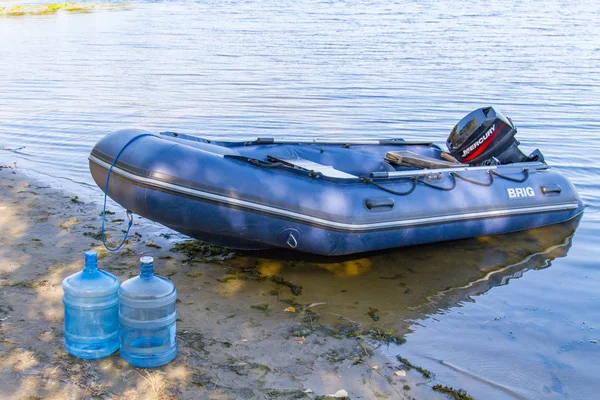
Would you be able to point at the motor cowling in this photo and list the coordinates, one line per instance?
(485, 137)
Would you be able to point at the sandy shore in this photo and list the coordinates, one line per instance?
(236, 341)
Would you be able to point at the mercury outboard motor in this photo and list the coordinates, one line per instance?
(487, 137)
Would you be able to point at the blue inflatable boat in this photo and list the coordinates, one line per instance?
(335, 197)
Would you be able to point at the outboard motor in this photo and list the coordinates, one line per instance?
(487, 137)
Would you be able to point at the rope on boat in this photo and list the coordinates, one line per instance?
(128, 212)
(508, 178)
(491, 173)
(409, 191)
(439, 187)
(453, 175)
(488, 184)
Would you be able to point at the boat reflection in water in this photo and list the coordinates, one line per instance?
(392, 289)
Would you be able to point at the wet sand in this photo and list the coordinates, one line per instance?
(236, 341)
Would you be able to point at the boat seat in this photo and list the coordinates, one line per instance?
(307, 165)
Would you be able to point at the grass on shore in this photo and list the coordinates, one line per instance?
(40, 9)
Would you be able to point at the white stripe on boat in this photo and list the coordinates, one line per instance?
(332, 224)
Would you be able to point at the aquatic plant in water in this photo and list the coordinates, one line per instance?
(38, 9)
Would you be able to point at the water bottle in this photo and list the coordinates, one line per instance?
(147, 316)
(91, 311)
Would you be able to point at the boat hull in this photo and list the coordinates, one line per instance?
(207, 192)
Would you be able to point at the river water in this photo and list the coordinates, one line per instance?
(515, 316)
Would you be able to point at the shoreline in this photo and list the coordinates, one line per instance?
(237, 337)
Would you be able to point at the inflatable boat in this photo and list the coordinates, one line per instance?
(336, 197)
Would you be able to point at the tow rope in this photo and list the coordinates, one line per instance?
(453, 175)
(129, 213)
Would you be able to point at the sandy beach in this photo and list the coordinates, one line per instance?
(240, 333)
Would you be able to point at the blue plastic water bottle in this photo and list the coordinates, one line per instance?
(147, 317)
(91, 311)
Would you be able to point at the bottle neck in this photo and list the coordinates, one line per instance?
(90, 267)
(91, 262)
(146, 270)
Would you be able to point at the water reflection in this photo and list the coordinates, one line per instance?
(392, 289)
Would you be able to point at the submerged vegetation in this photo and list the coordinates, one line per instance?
(198, 251)
(279, 280)
(427, 374)
(51, 8)
(459, 394)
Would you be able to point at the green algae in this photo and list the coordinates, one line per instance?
(427, 374)
(373, 314)
(279, 280)
(95, 235)
(30, 284)
(459, 394)
(263, 307)
(198, 251)
(386, 337)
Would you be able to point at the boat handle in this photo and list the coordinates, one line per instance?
(549, 189)
(291, 241)
(386, 202)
